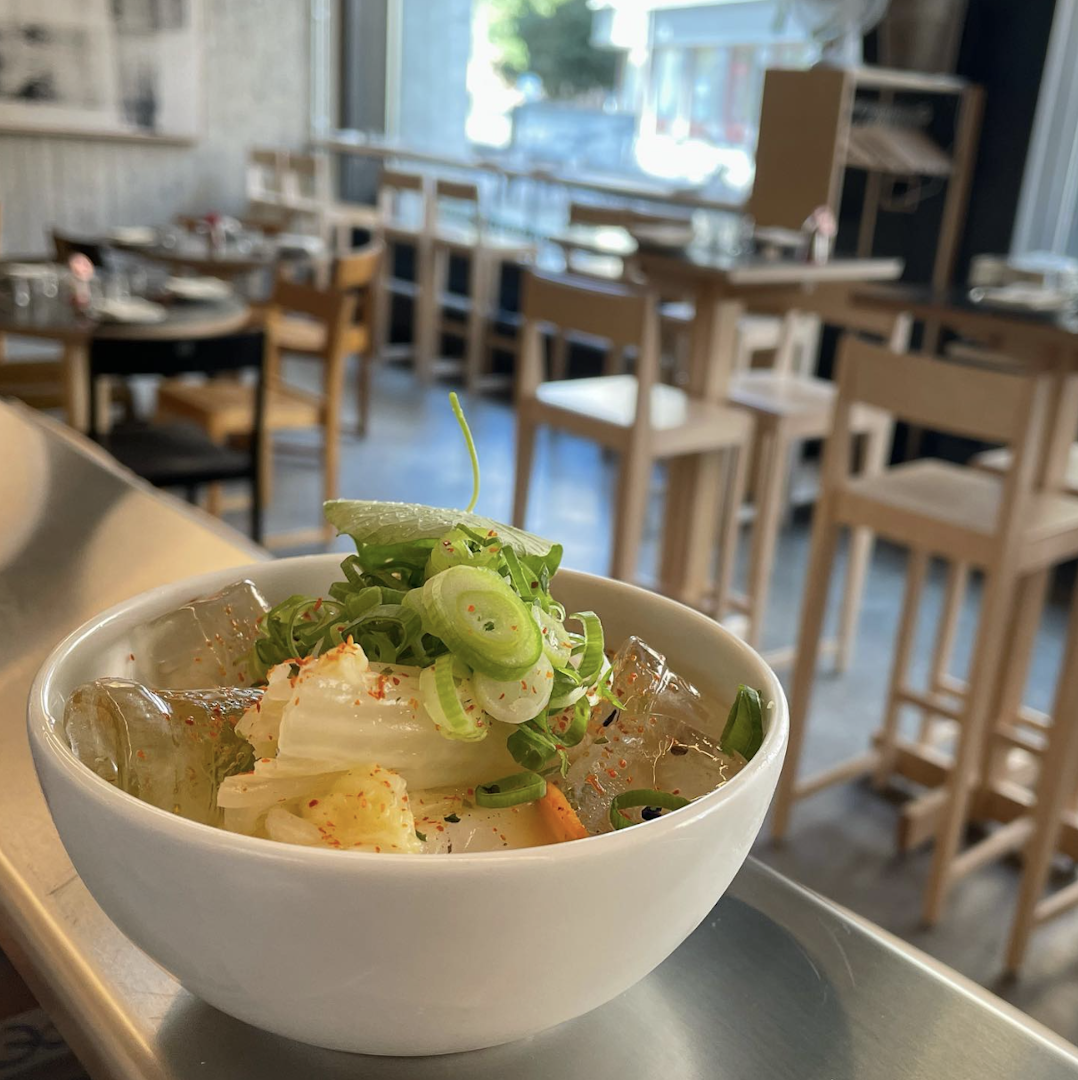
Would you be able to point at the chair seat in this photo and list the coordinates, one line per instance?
(296, 334)
(224, 407)
(681, 424)
(169, 455)
(1001, 459)
(805, 403)
(953, 510)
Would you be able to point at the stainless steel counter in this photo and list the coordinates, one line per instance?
(775, 984)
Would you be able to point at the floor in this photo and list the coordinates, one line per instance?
(842, 843)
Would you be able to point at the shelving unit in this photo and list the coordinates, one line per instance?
(810, 135)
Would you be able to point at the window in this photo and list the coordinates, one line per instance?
(630, 87)
(1048, 208)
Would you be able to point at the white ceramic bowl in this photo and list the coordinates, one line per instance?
(405, 954)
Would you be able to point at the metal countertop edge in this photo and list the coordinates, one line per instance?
(106, 1043)
(938, 970)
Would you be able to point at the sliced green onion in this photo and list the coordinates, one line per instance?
(482, 621)
(523, 787)
(518, 576)
(438, 689)
(513, 701)
(591, 659)
(744, 730)
(530, 746)
(642, 797)
(458, 412)
(557, 643)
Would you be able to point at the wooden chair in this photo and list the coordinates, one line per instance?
(463, 233)
(404, 220)
(178, 454)
(790, 407)
(638, 417)
(265, 178)
(1007, 527)
(330, 334)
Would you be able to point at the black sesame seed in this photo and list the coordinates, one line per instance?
(678, 750)
(650, 813)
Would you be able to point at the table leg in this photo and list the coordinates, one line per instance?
(75, 365)
(694, 483)
(427, 312)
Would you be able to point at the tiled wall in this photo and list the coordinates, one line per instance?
(254, 93)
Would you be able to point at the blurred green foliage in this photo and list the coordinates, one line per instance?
(550, 39)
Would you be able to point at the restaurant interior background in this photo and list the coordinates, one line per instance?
(474, 143)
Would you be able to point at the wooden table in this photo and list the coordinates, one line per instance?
(1049, 342)
(58, 321)
(722, 287)
(230, 261)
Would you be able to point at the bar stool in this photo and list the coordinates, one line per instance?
(1009, 528)
(1056, 807)
(404, 220)
(997, 461)
(460, 230)
(790, 407)
(640, 418)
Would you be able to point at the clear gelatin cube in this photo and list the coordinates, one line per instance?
(660, 741)
(204, 643)
(170, 748)
(643, 682)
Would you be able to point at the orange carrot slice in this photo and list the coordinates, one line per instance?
(560, 818)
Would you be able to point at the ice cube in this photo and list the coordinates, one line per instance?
(170, 748)
(204, 643)
(658, 742)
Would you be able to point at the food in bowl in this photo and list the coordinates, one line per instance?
(436, 700)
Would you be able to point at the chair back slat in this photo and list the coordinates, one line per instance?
(265, 169)
(623, 216)
(462, 190)
(937, 394)
(614, 312)
(399, 180)
(358, 269)
(328, 306)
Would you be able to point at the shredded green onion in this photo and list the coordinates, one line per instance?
(641, 797)
(458, 412)
(522, 787)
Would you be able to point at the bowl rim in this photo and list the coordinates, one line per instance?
(44, 739)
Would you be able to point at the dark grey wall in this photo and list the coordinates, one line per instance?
(1003, 49)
